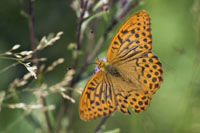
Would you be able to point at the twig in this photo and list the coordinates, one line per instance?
(65, 104)
(78, 34)
(31, 25)
(34, 121)
(35, 55)
(30, 14)
(49, 126)
(99, 127)
(80, 21)
(61, 113)
(120, 16)
(8, 67)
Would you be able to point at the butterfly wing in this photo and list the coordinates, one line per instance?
(133, 39)
(97, 98)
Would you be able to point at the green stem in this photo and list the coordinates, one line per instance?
(10, 58)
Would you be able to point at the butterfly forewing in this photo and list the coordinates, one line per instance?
(97, 98)
(132, 39)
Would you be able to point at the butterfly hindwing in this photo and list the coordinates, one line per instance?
(150, 74)
(144, 71)
(97, 98)
(137, 100)
(129, 93)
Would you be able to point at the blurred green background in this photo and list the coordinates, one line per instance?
(174, 108)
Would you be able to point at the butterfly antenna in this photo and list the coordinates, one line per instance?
(69, 68)
(97, 58)
(92, 63)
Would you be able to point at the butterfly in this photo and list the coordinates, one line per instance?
(128, 77)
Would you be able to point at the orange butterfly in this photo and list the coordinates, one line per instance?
(130, 75)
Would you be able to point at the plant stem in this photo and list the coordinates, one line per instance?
(64, 104)
(99, 127)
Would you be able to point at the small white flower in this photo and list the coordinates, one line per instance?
(86, 14)
(31, 69)
(17, 105)
(18, 56)
(67, 97)
(105, 1)
(60, 33)
(23, 53)
(45, 40)
(15, 47)
(36, 106)
(8, 53)
(62, 89)
(60, 60)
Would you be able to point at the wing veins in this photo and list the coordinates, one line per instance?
(105, 91)
(100, 92)
(129, 50)
(122, 42)
(126, 47)
(137, 57)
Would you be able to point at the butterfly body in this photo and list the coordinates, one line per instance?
(107, 68)
(128, 77)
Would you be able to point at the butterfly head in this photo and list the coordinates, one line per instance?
(101, 64)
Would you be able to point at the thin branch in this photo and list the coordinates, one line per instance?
(49, 126)
(61, 113)
(35, 122)
(35, 55)
(31, 24)
(30, 14)
(99, 127)
(8, 67)
(79, 26)
(80, 21)
(64, 104)
(120, 16)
